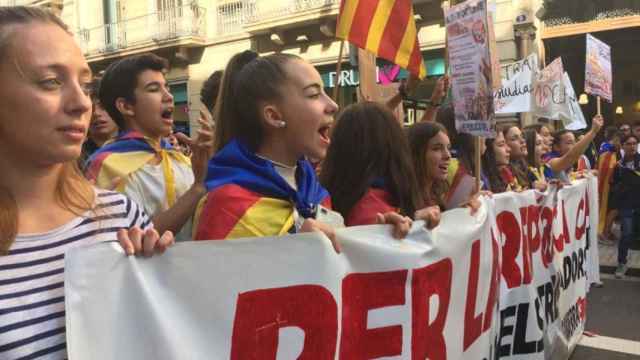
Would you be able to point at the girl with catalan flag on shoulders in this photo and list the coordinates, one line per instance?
(272, 115)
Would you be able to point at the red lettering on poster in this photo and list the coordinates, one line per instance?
(508, 227)
(472, 322)
(428, 338)
(364, 292)
(260, 314)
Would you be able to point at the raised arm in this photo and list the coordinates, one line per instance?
(438, 95)
(571, 157)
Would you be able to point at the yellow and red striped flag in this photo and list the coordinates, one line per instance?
(384, 27)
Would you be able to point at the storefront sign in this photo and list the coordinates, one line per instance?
(385, 74)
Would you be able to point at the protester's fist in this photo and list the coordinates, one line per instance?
(401, 224)
(134, 241)
(313, 225)
(597, 123)
(431, 216)
(440, 91)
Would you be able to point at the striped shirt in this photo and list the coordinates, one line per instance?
(32, 314)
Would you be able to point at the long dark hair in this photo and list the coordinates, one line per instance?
(368, 144)
(530, 135)
(247, 81)
(518, 166)
(462, 143)
(490, 165)
(557, 137)
(419, 136)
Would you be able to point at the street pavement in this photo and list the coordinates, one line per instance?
(613, 317)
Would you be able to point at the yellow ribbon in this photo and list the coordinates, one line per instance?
(169, 178)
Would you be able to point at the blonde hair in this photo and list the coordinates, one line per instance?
(73, 192)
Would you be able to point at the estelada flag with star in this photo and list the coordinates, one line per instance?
(385, 28)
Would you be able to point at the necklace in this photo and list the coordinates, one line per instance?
(277, 163)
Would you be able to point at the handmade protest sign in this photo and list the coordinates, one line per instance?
(432, 295)
(549, 98)
(598, 75)
(470, 63)
(517, 85)
(577, 121)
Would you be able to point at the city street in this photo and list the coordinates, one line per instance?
(614, 320)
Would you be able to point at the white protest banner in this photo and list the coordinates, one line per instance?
(468, 43)
(549, 98)
(546, 242)
(517, 84)
(577, 121)
(598, 75)
(431, 295)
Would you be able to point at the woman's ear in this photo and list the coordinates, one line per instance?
(273, 117)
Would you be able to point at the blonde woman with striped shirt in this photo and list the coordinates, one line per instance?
(46, 206)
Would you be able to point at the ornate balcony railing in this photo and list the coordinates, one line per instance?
(158, 28)
(236, 16)
(577, 11)
(15, 2)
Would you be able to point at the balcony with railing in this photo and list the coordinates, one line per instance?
(15, 2)
(179, 26)
(258, 16)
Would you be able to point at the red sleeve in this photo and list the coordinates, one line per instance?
(224, 207)
(326, 202)
(373, 202)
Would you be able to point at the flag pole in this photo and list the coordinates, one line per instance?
(478, 157)
(599, 105)
(445, 6)
(338, 69)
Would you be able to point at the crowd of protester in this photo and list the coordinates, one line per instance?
(273, 155)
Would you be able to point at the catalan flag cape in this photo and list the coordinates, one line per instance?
(248, 198)
(606, 166)
(385, 28)
(128, 153)
(376, 200)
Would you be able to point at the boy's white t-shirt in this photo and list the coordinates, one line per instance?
(146, 186)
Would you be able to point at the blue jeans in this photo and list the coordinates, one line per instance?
(626, 224)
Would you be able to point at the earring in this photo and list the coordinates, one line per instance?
(281, 124)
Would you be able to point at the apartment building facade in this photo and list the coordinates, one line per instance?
(200, 36)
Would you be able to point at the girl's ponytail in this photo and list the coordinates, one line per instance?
(225, 109)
